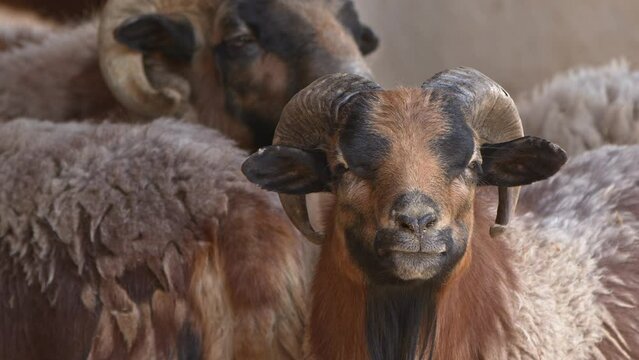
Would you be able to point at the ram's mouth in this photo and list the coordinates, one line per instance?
(408, 257)
(415, 266)
(397, 241)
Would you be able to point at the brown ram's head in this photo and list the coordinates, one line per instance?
(403, 165)
(235, 62)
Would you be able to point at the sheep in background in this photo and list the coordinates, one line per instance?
(60, 10)
(141, 242)
(408, 267)
(18, 28)
(585, 108)
(228, 64)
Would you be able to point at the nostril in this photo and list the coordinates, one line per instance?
(408, 222)
(427, 221)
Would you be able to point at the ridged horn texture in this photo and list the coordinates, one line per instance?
(123, 68)
(491, 113)
(308, 122)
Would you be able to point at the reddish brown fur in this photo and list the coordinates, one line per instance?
(338, 303)
(473, 319)
(256, 247)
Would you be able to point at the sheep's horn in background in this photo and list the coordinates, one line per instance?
(308, 122)
(147, 92)
(491, 113)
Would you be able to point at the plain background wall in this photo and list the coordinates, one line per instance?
(519, 43)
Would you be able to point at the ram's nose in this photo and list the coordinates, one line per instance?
(416, 223)
(414, 212)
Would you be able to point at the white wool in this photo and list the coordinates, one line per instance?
(585, 108)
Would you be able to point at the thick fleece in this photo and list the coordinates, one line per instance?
(576, 242)
(141, 242)
(585, 108)
(74, 87)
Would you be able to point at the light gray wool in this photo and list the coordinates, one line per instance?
(577, 245)
(42, 65)
(15, 37)
(86, 209)
(585, 108)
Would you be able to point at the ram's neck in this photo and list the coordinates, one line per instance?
(474, 314)
(338, 311)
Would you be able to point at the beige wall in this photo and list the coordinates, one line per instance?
(517, 42)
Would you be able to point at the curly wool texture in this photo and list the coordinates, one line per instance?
(585, 108)
(12, 38)
(149, 238)
(577, 246)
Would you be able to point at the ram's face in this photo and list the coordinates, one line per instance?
(403, 166)
(406, 192)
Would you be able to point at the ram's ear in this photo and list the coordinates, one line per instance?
(520, 162)
(153, 33)
(288, 170)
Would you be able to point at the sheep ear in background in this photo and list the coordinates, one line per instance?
(288, 170)
(170, 37)
(520, 162)
(366, 39)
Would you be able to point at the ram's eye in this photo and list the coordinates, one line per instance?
(239, 41)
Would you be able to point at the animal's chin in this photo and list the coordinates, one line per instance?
(412, 266)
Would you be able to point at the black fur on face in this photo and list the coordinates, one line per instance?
(363, 149)
(456, 147)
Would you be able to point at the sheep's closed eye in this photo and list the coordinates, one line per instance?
(241, 45)
(240, 40)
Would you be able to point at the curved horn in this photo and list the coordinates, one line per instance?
(123, 68)
(491, 112)
(307, 122)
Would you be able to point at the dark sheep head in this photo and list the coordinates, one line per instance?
(403, 166)
(236, 62)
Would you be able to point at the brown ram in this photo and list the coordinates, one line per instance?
(228, 64)
(407, 266)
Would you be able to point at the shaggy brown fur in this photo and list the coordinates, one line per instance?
(141, 242)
